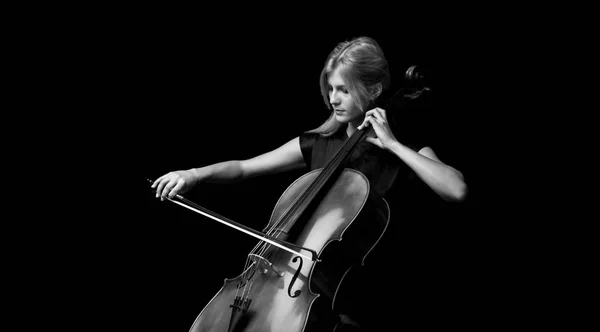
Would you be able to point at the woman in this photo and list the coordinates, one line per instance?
(355, 75)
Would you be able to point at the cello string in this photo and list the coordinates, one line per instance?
(244, 279)
(314, 186)
(299, 202)
(327, 171)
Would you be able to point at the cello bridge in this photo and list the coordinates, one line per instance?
(264, 265)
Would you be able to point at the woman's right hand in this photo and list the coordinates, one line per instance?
(173, 183)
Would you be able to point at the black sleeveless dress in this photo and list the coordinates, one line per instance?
(393, 180)
(384, 170)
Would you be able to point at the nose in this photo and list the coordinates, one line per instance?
(333, 99)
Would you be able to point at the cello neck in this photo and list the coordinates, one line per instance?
(329, 172)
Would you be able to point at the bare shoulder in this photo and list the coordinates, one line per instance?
(286, 157)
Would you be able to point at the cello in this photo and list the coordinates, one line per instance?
(323, 226)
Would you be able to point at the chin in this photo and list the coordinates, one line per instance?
(342, 118)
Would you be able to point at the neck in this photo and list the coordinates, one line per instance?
(351, 127)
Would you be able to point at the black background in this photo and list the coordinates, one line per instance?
(169, 94)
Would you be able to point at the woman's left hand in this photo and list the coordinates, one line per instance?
(384, 136)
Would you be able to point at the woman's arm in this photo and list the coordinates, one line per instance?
(284, 158)
(445, 180)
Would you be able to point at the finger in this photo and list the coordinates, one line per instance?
(368, 114)
(156, 181)
(176, 189)
(163, 188)
(167, 189)
(376, 113)
(164, 180)
(371, 121)
(376, 109)
(160, 186)
(379, 114)
(364, 124)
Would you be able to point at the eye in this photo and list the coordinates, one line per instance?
(344, 90)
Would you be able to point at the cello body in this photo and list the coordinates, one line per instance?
(280, 291)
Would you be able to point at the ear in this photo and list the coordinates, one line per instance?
(376, 91)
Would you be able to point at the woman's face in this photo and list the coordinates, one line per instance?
(346, 110)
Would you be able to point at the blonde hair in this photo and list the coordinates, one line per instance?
(364, 70)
